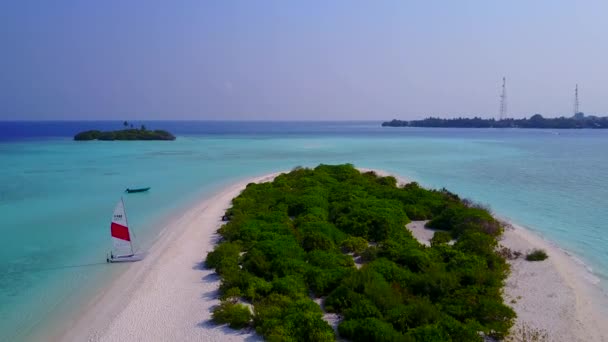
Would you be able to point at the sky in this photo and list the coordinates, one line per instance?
(304, 60)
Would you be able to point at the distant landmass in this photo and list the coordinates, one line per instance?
(579, 120)
(125, 134)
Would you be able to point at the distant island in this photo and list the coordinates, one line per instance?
(579, 120)
(125, 134)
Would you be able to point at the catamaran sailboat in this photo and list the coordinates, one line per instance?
(122, 238)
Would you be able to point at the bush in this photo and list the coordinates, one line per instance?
(370, 329)
(315, 240)
(257, 288)
(340, 299)
(414, 314)
(322, 281)
(537, 255)
(440, 237)
(224, 257)
(231, 295)
(278, 318)
(291, 286)
(362, 309)
(354, 244)
(237, 316)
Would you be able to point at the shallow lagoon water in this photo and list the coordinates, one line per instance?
(57, 195)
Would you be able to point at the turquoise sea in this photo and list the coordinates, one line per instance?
(57, 195)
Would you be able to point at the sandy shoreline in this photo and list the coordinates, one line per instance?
(169, 295)
(557, 297)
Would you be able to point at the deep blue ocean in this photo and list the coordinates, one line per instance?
(57, 195)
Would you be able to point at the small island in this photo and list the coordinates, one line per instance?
(330, 245)
(337, 253)
(579, 120)
(129, 133)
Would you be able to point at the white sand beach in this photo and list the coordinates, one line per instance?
(168, 296)
(557, 298)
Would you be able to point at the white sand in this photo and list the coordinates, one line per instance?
(169, 295)
(557, 298)
(420, 232)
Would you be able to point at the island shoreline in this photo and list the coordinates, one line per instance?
(96, 318)
(147, 300)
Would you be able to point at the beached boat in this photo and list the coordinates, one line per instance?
(137, 190)
(122, 237)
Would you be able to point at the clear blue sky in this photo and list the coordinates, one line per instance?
(311, 60)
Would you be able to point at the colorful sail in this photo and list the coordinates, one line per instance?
(121, 237)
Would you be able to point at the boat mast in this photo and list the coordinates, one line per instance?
(124, 209)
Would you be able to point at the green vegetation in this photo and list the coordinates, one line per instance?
(537, 255)
(125, 134)
(236, 315)
(535, 121)
(287, 241)
(354, 244)
(441, 237)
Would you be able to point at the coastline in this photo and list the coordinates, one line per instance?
(558, 297)
(168, 295)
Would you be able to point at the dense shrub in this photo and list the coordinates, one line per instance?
(370, 254)
(291, 286)
(279, 318)
(291, 239)
(370, 329)
(354, 244)
(224, 257)
(317, 241)
(362, 308)
(231, 295)
(236, 315)
(441, 237)
(537, 255)
(415, 313)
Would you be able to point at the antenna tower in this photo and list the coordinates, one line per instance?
(503, 100)
(576, 103)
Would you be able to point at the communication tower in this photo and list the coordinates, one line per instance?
(576, 103)
(503, 100)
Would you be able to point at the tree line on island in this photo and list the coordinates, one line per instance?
(128, 133)
(292, 240)
(579, 120)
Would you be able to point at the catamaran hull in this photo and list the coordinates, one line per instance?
(128, 258)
